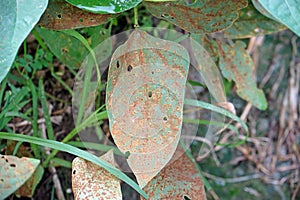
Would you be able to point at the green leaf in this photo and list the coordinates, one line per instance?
(105, 6)
(145, 93)
(14, 172)
(237, 65)
(74, 151)
(251, 23)
(60, 15)
(200, 17)
(286, 12)
(17, 19)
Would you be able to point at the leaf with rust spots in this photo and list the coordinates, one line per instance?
(237, 65)
(208, 70)
(144, 99)
(251, 23)
(92, 182)
(28, 188)
(14, 172)
(178, 179)
(61, 15)
(200, 17)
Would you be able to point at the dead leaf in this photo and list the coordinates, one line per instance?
(14, 172)
(179, 179)
(92, 182)
(200, 17)
(145, 93)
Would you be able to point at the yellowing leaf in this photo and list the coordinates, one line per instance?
(14, 172)
(91, 182)
(236, 64)
(179, 179)
(200, 17)
(145, 93)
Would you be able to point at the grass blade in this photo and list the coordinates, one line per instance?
(78, 152)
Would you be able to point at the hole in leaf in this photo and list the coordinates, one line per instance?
(64, 50)
(12, 165)
(150, 94)
(74, 172)
(152, 72)
(129, 68)
(6, 160)
(2, 180)
(186, 198)
(118, 64)
(91, 19)
(81, 20)
(165, 118)
(59, 16)
(2, 157)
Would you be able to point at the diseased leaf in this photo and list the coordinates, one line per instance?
(208, 70)
(286, 12)
(69, 50)
(60, 15)
(105, 6)
(14, 172)
(236, 64)
(92, 182)
(251, 23)
(179, 179)
(200, 17)
(28, 188)
(144, 98)
(17, 18)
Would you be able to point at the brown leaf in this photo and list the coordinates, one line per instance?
(90, 181)
(61, 15)
(145, 93)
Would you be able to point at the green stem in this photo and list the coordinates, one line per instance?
(136, 17)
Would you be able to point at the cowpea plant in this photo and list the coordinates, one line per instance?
(204, 20)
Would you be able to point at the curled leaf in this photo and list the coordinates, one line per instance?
(60, 15)
(236, 64)
(90, 181)
(145, 93)
(200, 17)
(14, 172)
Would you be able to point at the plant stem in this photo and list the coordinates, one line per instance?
(136, 17)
